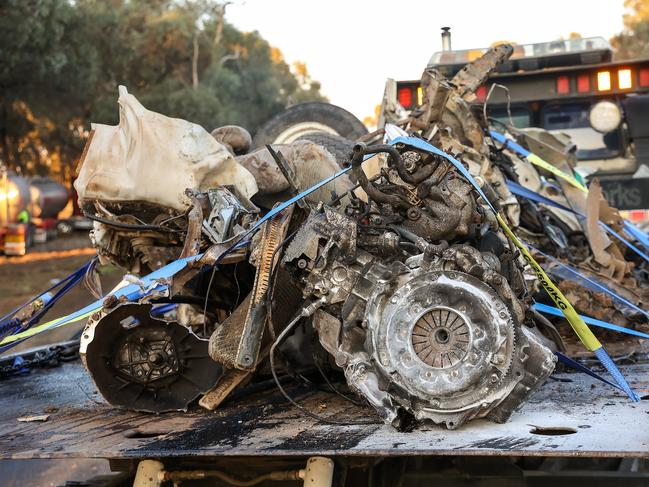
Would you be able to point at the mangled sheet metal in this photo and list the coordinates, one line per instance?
(577, 238)
(153, 158)
(400, 284)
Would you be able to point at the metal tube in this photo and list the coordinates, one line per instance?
(446, 39)
(205, 474)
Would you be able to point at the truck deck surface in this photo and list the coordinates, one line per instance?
(579, 416)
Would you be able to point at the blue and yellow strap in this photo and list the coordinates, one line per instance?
(580, 328)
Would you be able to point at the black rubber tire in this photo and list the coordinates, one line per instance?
(340, 147)
(338, 119)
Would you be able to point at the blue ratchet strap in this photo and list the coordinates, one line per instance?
(509, 143)
(599, 352)
(162, 309)
(133, 291)
(519, 190)
(296, 198)
(82, 269)
(638, 234)
(522, 191)
(551, 310)
(593, 283)
(10, 325)
(130, 292)
(582, 368)
(633, 231)
(625, 241)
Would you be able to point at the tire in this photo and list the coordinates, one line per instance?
(340, 147)
(305, 118)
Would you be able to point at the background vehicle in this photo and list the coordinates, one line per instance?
(570, 86)
(29, 210)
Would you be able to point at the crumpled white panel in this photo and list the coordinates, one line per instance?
(154, 158)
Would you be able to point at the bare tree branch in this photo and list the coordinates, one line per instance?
(195, 61)
(229, 57)
(220, 20)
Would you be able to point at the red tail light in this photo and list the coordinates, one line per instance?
(637, 215)
(583, 83)
(563, 85)
(405, 97)
(481, 93)
(643, 77)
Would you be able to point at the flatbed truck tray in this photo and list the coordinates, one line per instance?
(575, 416)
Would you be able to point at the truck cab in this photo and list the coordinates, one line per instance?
(574, 87)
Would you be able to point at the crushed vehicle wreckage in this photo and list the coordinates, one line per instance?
(386, 266)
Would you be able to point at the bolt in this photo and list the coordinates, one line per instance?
(110, 301)
(156, 359)
(339, 274)
(301, 264)
(494, 378)
(413, 213)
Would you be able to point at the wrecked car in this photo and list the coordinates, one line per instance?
(388, 264)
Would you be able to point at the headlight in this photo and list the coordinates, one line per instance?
(605, 116)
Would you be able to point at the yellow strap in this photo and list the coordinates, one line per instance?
(582, 330)
(537, 161)
(37, 329)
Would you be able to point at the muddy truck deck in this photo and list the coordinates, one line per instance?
(570, 416)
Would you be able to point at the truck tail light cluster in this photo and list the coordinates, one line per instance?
(606, 80)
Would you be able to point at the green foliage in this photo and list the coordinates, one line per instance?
(61, 62)
(633, 41)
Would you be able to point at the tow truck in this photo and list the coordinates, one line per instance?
(573, 86)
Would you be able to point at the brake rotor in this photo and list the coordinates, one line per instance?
(147, 364)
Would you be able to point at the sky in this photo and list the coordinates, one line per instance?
(352, 46)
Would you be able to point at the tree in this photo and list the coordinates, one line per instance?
(633, 41)
(309, 88)
(61, 63)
